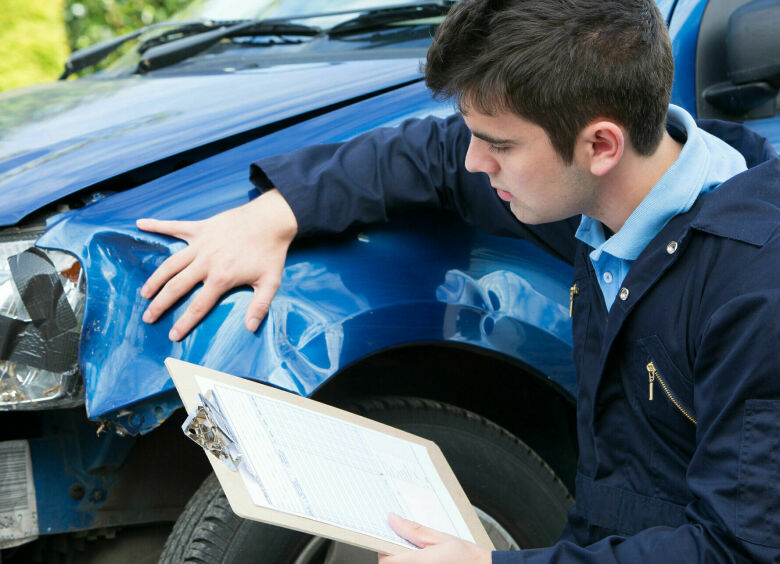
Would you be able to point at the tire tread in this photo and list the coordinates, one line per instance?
(205, 528)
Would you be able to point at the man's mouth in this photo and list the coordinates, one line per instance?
(504, 195)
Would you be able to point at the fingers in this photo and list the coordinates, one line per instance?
(201, 304)
(179, 229)
(167, 270)
(173, 291)
(205, 300)
(260, 303)
(406, 529)
(436, 547)
(415, 533)
(246, 245)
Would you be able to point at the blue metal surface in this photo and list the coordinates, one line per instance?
(88, 481)
(72, 454)
(331, 309)
(769, 128)
(684, 32)
(59, 138)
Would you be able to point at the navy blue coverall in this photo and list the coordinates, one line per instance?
(691, 474)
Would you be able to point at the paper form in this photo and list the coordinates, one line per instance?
(320, 467)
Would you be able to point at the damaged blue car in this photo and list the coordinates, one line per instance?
(422, 323)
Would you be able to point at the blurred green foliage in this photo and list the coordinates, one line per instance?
(90, 21)
(33, 46)
(36, 36)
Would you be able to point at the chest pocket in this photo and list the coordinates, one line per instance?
(664, 394)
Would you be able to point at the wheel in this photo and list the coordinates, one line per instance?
(517, 496)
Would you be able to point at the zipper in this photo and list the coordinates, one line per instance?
(653, 375)
(573, 291)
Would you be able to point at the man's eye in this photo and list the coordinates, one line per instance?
(497, 148)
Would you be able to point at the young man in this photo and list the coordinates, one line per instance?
(676, 263)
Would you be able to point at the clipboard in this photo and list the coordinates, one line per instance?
(224, 460)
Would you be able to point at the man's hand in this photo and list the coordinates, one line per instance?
(246, 245)
(437, 548)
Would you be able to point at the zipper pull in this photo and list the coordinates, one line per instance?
(651, 374)
(573, 291)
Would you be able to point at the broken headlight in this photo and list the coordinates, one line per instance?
(41, 306)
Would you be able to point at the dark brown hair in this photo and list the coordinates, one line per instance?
(559, 64)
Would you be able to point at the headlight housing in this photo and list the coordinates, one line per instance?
(41, 308)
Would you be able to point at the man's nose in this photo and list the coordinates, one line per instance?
(478, 159)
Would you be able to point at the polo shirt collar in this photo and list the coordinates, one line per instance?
(704, 162)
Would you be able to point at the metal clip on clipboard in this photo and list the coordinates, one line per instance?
(210, 430)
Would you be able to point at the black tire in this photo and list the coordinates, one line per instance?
(501, 475)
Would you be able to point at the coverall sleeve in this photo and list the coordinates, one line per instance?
(734, 474)
(419, 164)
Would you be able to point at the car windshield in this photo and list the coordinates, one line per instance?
(214, 35)
(261, 9)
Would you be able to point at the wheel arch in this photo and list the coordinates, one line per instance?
(511, 394)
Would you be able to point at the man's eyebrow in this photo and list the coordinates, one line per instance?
(493, 140)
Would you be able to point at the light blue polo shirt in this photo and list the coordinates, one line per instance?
(703, 164)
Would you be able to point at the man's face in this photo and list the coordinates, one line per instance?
(525, 169)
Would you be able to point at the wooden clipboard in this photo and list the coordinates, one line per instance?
(184, 377)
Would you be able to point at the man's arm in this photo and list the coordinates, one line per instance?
(325, 189)
(419, 164)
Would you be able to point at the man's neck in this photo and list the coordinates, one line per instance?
(624, 188)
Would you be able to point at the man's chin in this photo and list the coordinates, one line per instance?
(527, 216)
(523, 214)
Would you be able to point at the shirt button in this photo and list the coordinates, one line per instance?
(671, 247)
(623, 295)
(607, 276)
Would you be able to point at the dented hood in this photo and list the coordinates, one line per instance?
(57, 139)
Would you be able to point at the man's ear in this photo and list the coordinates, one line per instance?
(603, 143)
